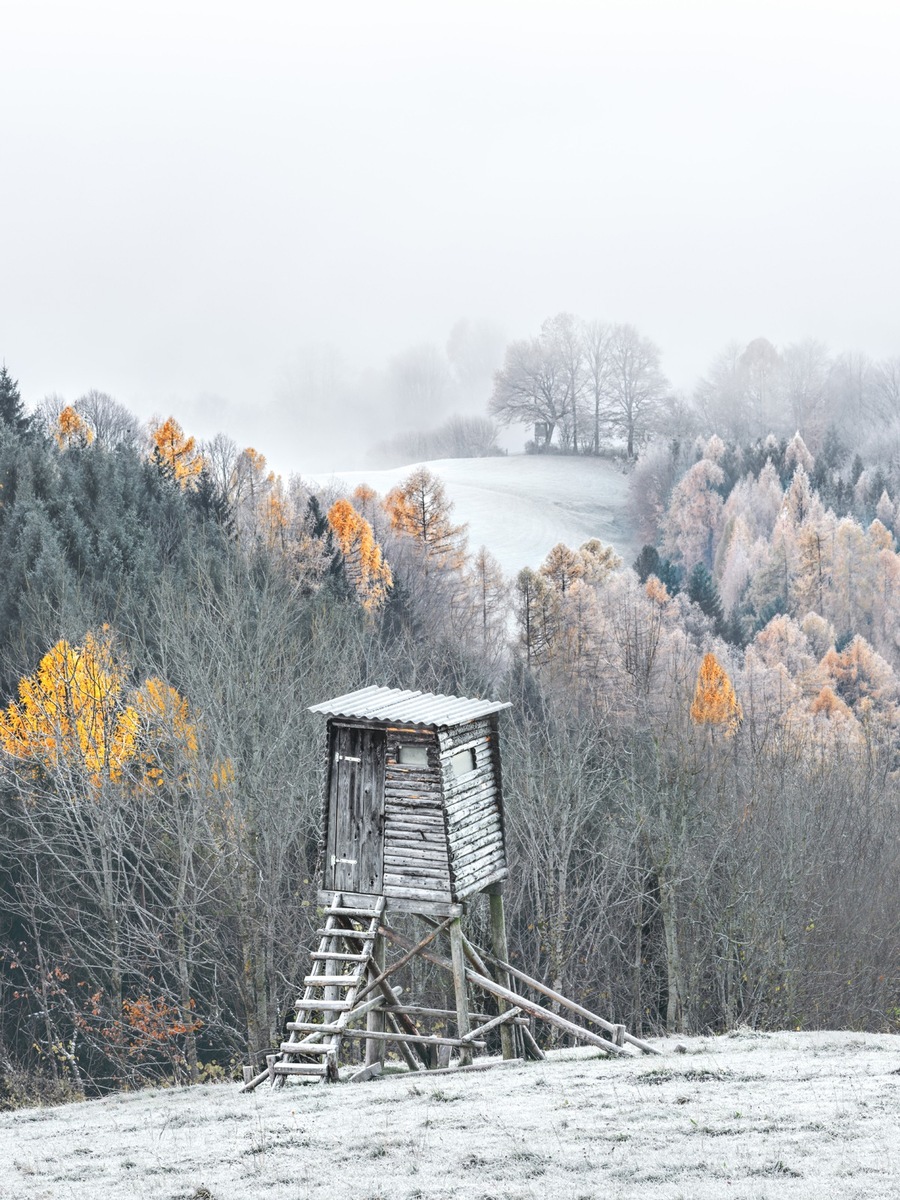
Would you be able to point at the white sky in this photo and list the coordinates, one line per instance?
(194, 192)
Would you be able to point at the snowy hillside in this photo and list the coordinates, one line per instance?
(522, 505)
(787, 1116)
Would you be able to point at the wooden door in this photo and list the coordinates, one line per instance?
(355, 849)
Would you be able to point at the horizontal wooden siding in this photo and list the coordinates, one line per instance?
(472, 805)
(416, 862)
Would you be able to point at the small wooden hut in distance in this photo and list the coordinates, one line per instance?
(413, 805)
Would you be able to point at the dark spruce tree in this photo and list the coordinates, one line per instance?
(702, 591)
(649, 562)
(12, 411)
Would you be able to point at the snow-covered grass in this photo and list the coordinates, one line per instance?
(520, 506)
(788, 1116)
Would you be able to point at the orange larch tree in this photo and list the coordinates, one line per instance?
(368, 572)
(72, 431)
(419, 509)
(175, 453)
(715, 703)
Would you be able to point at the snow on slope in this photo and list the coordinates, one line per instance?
(520, 506)
(786, 1116)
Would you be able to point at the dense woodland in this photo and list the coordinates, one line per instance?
(700, 767)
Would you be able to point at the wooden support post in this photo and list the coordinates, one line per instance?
(457, 956)
(508, 1033)
(375, 1020)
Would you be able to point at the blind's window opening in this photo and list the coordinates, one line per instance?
(463, 761)
(412, 756)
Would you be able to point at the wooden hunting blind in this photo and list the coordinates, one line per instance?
(412, 822)
(413, 799)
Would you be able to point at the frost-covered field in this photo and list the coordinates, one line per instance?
(522, 505)
(792, 1115)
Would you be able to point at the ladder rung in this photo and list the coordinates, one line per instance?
(336, 911)
(317, 1069)
(323, 1005)
(331, 980)
(311, 1027)
(291, 1048)
(338, 956)
(363, 934)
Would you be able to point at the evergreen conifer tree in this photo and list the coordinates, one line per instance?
(703, 592)
(12, 411)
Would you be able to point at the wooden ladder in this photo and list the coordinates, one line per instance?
(329, 998)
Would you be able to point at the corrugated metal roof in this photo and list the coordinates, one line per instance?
(410, 708)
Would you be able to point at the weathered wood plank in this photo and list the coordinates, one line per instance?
(488, 835)
(413, 893)
(454, 739)
(414, 877)
(475, 867)
(436, 856)
(461, 891)
(459, 834)
(398, 843)
(285, 1068)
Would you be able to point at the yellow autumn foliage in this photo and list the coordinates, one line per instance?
(70, 713)
(366, 568)
(72, 429)
(74, 715)
(176, 453)
(715, 703)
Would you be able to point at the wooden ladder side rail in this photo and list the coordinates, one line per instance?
(315, 1036)
(319, 967)
(544, 1014)
(564, 1002)
(352, 993)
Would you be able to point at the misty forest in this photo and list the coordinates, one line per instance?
(700, 766)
